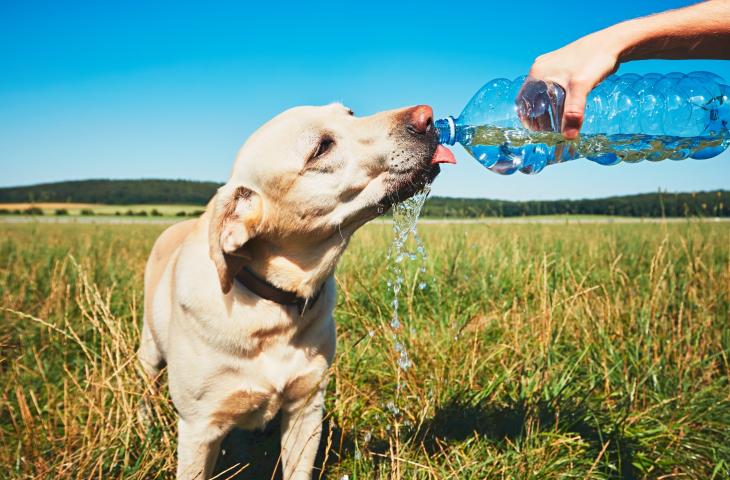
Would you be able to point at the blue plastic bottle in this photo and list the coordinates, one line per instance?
(514, 125)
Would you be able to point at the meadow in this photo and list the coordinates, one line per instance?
(592, 351)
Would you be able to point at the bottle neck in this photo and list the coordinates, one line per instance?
(447, 130)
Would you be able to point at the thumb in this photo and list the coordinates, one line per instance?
(573, 111)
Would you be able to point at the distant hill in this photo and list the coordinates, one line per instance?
(115, 192)
(125, 192)
(659, 204)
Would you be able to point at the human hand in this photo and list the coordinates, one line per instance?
(578, 67)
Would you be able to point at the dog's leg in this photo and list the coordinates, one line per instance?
(198, 445)
(149, 356)
(301, 427)
(151, 361)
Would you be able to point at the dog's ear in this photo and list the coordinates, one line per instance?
(235, 220)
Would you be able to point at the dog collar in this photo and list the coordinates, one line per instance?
(262, 288)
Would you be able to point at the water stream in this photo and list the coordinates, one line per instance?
(405, 218)
(406, 247)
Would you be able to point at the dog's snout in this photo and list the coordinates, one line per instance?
(420, 119)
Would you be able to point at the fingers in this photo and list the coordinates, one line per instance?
(574, 110)
(530, 110)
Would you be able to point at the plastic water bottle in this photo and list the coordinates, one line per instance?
(515, 125)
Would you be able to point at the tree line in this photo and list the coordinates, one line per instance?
(659, 204)
(114, 192)
(125, 192)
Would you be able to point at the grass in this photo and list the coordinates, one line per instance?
(540, 351)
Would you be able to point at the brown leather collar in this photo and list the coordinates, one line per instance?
(264, 289)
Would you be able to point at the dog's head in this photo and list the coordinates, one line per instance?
(307, 179)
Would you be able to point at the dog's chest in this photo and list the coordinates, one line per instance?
(252, 396)
(246, 409)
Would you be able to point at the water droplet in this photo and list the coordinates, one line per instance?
(392, 408)
(422, 286)
(403, 361)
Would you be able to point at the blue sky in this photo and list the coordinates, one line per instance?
(172, 89)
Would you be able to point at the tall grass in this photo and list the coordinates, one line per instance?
(540, 351)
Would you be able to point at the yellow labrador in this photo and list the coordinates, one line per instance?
(238, 303)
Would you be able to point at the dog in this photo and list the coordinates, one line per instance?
(238, 303)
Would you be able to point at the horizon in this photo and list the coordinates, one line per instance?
(659, 191)
(151, 91)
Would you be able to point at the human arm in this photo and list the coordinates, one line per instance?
(697, 31)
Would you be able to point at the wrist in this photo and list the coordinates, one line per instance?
(624, 40)
(641, 38)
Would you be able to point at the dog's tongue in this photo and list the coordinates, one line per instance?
(442, 155)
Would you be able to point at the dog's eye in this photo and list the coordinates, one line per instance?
(324, 146)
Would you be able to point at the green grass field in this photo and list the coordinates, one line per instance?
(540, 352)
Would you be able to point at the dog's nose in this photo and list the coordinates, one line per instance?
(421, 119)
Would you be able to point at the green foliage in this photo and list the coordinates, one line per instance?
(33, 211)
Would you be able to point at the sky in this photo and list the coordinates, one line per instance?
(172, 89)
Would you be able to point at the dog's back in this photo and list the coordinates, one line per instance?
(163, 252)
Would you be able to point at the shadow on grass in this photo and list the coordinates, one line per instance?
(260, 450)
(457, 420)
(462, 418)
